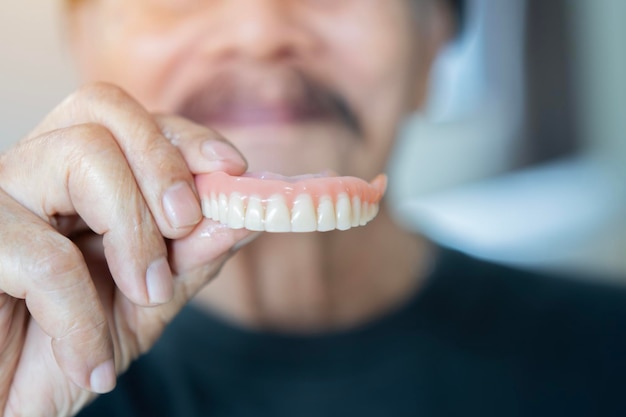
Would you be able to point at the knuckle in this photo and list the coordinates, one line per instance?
(89, 132)
(160, 156)
(58, 258)
(89, 139)
(94, 326)
(99, 92)
(165, 155)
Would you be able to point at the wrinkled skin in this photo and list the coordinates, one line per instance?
(102, 241)
(82, 236)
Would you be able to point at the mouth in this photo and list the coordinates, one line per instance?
(269, 96)
(252, 114)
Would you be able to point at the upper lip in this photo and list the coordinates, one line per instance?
(262, 96)
(251, 112)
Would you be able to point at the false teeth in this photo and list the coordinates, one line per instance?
(255, 214)
(277, 216)
(303, 205)
(326, 215)
(274, 215)
(343, 211)
(303, 216)
(356, 211)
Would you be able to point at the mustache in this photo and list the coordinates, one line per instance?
(304, 95)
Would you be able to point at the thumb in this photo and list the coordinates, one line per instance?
(209, 242)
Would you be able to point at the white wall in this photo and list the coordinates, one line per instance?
(35, 67)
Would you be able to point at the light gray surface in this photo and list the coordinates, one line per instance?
(451, 180)
(35, 68)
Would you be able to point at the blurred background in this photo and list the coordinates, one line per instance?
(520, 156)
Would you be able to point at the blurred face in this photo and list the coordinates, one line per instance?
(299, 86)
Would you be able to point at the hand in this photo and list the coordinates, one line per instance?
(86, 282)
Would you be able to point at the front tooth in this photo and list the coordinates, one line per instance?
(356, 211)
(326, 215)
(215, 208)
(223, 209)
(343, 212)
(373, 210)
(206, 207)
(254, 214)
(236, 213)
(277, 218)
(303, 217)
(365, 209)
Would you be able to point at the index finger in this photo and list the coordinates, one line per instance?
(158, 167)
(203, 149)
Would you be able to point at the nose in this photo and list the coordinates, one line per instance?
(260, 30)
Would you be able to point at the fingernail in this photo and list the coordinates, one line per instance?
(102, 378)
(181, 206)
(159, 282)
(217, 151)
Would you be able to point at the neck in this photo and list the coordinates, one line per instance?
(316, 282)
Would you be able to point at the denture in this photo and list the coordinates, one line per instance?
(273, 203)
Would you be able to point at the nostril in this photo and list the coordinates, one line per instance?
(260, 30)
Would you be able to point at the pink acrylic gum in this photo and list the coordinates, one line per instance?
(289, 204)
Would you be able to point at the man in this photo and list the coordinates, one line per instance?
(105, 240)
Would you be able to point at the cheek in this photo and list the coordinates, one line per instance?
(140, 59)
(373, 61)
(143, 66)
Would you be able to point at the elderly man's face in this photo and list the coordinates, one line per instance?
(300, 86)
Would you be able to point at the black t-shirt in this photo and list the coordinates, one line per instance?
(478, 339)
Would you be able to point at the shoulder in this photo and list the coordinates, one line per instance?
(529, 308)
(539, 343)
(489, 282)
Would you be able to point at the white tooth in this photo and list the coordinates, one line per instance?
(236, 213)
(215, 208)
(277, 218)
(223, 203)
(365, 209)
(326, 215)
(356, 211)
(206, 207)
(373, 210)
(254, 214)
(343, 212)
(303, 217)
